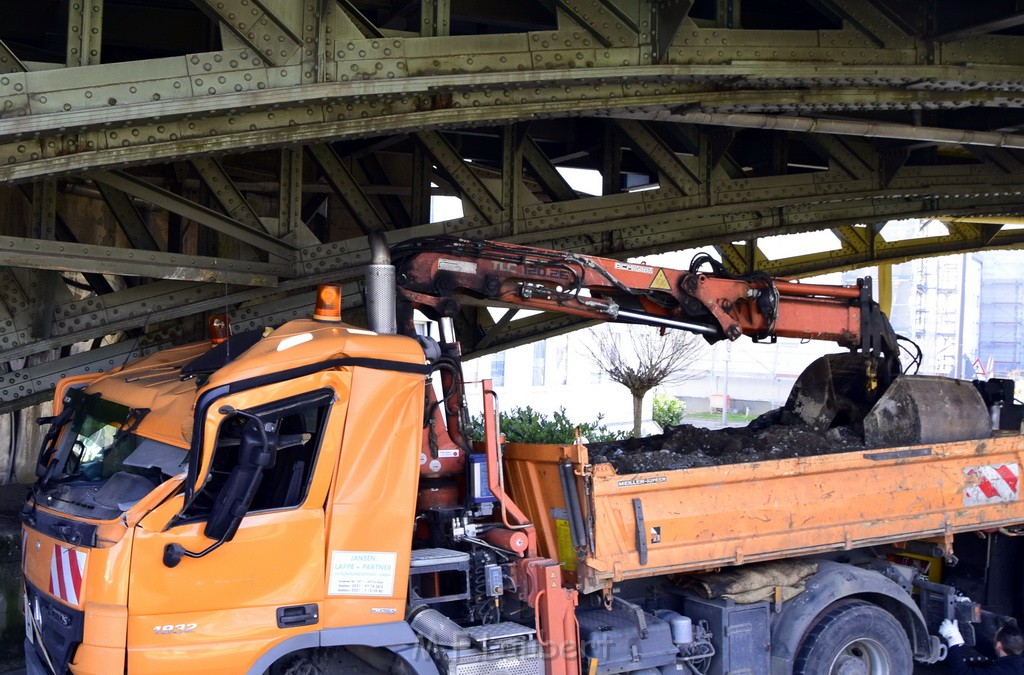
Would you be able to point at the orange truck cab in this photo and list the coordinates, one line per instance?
(307, 500)
(123, 562)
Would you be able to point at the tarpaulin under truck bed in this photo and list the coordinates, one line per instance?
(648, 524)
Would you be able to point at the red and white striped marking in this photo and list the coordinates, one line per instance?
(66, 568)
(992, 484)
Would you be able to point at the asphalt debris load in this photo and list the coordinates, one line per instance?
(777, 434)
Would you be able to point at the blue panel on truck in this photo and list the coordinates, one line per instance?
(739, 633)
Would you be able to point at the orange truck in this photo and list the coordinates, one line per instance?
(308, 500)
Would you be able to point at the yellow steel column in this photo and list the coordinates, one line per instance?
(885, 288)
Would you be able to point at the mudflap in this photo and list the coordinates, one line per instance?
(919, 409)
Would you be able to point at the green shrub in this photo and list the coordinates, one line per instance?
(668, 410)
(526, 425)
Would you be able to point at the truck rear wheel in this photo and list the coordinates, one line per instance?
(855, 638)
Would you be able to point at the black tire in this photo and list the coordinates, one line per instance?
(855, 638)
(327, 661)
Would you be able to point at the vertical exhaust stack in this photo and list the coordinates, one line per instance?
(381, 288)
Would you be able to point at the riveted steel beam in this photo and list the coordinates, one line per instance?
(200, 214)
(703, 46)
(471, 188)
(96, 282)
(44, 286)
(378, 175)
(44, 209)
(435, 18)
(514, 334)
(169, 300)
(224, 191)
(122, 310)
(857, 239)
(492, 329)
(890, 161)
(611, 159)
(668, 19)
(840, 151)
(257, 27)
(35, 384)
(870, 19)
(657, 220)
(128, 217)
(9, 62)
(703, 230)
(13, 302)
(606, 21)
(863, 245)
(512, 138)
(346, 187)
(344, 259)
(984, 234)
(480, 334)
(1006, 159)
(882, 252)
(652, 88)
(39, 254)
(314, 29)
(680, 173)
(856, 128)
(553, 183)
(278, 310)
(274, 118)
(999, 221)
(741, 258)
(363, 26)
(797, 195)
(727, 13)
(421, 187)
(289, 212)
(85, 32)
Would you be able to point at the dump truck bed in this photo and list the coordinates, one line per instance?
(647, 524)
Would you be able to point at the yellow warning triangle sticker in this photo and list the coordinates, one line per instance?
(660, 281)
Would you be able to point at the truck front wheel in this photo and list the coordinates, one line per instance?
(327, 661)
(855, 638)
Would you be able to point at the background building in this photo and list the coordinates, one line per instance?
(1001, 339)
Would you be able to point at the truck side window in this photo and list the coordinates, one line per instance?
(300, 423)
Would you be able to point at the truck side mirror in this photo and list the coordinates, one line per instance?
(257, 451)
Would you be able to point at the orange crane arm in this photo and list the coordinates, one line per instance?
(435, 273)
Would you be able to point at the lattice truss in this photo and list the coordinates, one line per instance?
(162, 159)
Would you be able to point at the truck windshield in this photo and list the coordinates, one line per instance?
(101, 466)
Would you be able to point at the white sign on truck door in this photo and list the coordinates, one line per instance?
(362, 573)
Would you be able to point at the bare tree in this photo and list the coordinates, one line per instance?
(640, 358)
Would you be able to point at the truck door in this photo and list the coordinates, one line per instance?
(218, 612)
